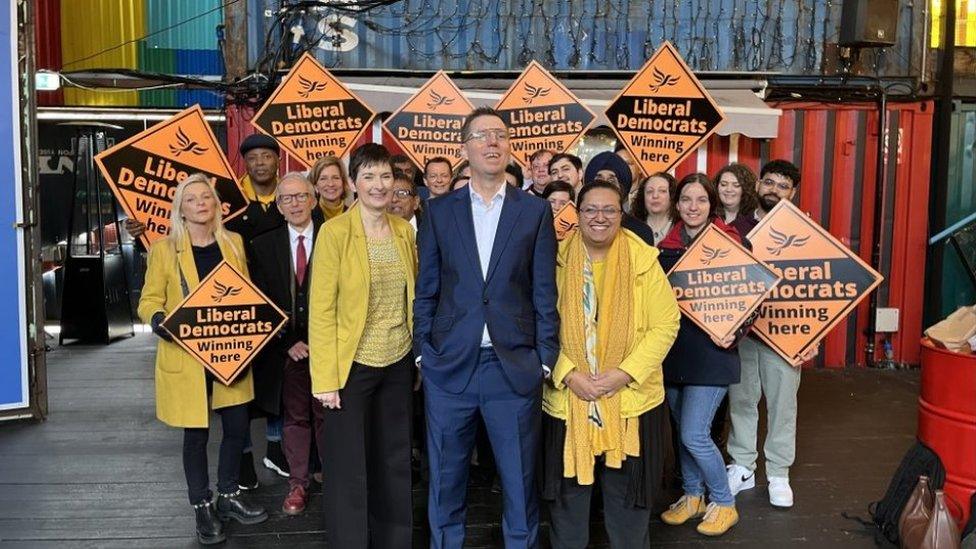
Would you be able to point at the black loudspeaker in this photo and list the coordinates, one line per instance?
(868, 23)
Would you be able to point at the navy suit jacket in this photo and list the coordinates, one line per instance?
(517, 298)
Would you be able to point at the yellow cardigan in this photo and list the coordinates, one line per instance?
(340, 294)
(181, 391)
(656, 319)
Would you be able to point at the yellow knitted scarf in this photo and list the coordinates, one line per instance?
(331, 210)
(617, 437)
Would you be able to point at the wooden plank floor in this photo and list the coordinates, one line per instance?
(102, 472)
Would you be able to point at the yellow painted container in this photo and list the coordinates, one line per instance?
(965, 23)
(108, 28)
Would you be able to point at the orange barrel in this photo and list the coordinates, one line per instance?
(947, 419)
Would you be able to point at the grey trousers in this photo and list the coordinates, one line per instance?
(763, 373)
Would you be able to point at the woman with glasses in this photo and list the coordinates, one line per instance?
(331, 184)
(697, 373)
(604, 414)
(652, 204)
(363, 272)
(185, 391)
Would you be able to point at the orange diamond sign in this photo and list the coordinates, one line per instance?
(144, 170)
(312, 114)
(664, 113)
(823, 281)
(542, 114)
(224, 322)
(566, 221)
(429, 124)
(718, 283)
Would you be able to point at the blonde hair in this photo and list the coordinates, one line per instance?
(321, 164)
(177, 226)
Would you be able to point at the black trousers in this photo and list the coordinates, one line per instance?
(629, 493)
(626, 525)
(366, 459)
(235, 421)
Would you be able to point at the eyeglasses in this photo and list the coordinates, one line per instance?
(781, 185)
(486, 135)
(286, 199)
(402, 193)
(591, 212)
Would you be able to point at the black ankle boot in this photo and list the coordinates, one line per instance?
(247, 478)
(210, 530)
(234, 506)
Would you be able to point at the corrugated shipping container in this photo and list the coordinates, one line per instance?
(160, 60)
(89, 27)
(835, 148)
(194, 24)
(47, 45)
(198, 62)
(205, 98)
(787, 36)
(957, 288)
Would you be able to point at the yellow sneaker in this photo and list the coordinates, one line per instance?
(683, 510)
(718, 519)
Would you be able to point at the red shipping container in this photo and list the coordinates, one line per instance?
(47, 45)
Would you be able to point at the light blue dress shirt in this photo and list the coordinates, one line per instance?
(485, 216)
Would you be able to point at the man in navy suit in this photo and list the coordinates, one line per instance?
(485, 333)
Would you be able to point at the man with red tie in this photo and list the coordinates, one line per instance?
(280, 267)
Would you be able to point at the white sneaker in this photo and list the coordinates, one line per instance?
(740, 478)
(780, 493)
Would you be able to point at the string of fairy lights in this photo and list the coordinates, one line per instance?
(785, 36)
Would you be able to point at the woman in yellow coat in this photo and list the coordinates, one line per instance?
(360, 327)
(604, 409)
(185, 391)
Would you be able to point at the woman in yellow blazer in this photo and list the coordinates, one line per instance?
(604, 413)
(185, 391)
(360, 327)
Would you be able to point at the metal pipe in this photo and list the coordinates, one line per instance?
(879, 192)
(952, 228)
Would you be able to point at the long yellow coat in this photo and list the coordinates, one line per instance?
(181, 390)
(340, 294)
(656, 320)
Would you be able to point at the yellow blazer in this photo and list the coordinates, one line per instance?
(656, 320)
(340, 294)
(181, 389)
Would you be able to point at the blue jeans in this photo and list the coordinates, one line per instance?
(272, 432)
(693, 407)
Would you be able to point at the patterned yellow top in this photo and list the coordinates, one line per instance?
(386, 337)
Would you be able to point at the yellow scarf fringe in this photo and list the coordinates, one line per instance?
(615, 339)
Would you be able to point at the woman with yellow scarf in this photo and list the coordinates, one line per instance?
(331, 184)
(604, 408)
